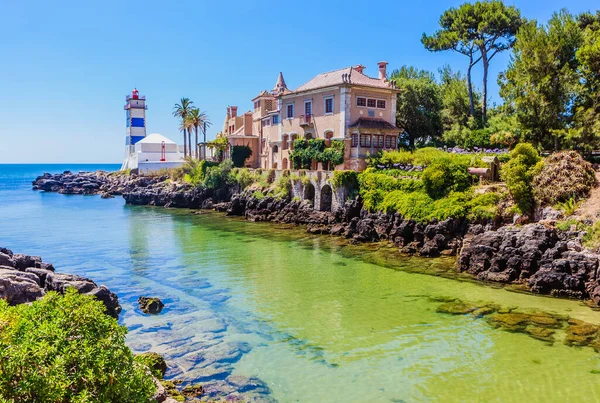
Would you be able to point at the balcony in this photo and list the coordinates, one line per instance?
(306, 120)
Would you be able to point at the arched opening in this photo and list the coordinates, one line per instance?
(275, 149)
(308, 136)
(284, 164)
(309, 193)
(326, 198)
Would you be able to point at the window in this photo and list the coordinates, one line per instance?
(276, 119)
(378, 141)
(266, 122)
(390, 142)
(290, 111)
(360, 101)
(257, 104)
(308, 108)
(371, 114)
(365, 140)
(371, 103)
(268, 104)
(354, 139)
(381, 103)
(328, 105)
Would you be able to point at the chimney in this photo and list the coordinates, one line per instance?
(359, 68)
(382, 70)
(234, 108)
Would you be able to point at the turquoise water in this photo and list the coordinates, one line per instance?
(315, 319)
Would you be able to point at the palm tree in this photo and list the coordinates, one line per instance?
(198, 119)
(181, 111)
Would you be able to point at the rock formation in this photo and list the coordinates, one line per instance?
(25, 278)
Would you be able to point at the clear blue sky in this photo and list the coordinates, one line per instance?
(66, 66)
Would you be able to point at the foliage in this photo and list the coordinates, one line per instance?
(307, 151)
(592, 238)
(64, 348)
(348, 179)
(258, 195)
(455, 99)
(197, 120)
(518, 173)
(479, 31)
(239, 155)
(282, 188)
(154, 362)
(484, 206)
(181, 111)
(568, 207)
(541, 79)
(220, 144)
(419, 105)
(445, 175)
(217, 176)
(564, 176)
(243, 177)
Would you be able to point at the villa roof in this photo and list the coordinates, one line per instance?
(263, 93)
(373, 123)
(155, 138)
(337, 77)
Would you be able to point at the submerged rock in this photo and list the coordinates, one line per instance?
(154, 361)
(150, 305)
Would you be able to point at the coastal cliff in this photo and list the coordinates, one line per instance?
(538, 257)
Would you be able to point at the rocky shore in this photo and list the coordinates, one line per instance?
(25, 278)
(538, 257)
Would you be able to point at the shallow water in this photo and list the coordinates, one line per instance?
(312, 317)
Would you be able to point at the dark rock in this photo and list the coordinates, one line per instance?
(150, 305)
(17, 287)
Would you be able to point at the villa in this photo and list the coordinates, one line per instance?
(344, 104)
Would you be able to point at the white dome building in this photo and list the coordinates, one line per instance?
(152, 153)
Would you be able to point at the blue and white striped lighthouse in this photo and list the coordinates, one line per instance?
(135, 111)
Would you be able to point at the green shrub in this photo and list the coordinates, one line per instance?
(217, 176)
(348, 179)
(518, 173)
(243, 177)
(307, 151)
(446, 175)
(258, 195)
(484, 206)
(64, 348)
(283, 187)
(568, 207)
(239, 155)
(564, 175)
(412, 205)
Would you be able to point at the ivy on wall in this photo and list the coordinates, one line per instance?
(239, 154)
(307, 151)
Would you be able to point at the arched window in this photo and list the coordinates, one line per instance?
(308, 136)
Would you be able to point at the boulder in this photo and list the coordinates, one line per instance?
(150, 305)
(17, 287)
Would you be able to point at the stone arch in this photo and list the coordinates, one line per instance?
(309, 193)
(293, 138)
(326, 198)
(284, 164)
(285, 142)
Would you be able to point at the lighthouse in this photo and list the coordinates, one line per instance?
(135, 113)
(145, 153)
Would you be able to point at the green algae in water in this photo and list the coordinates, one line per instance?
(372, 319)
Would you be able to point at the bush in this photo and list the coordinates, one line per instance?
(348, 179)
(445, 175)
(565, 175)
(518, 173)
(307, 151)
(243, 177)
(283, 187)
(64, 348)
(239, 155)
(217, 176)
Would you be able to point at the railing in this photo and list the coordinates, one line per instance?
(128, 97)
(305, 120)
